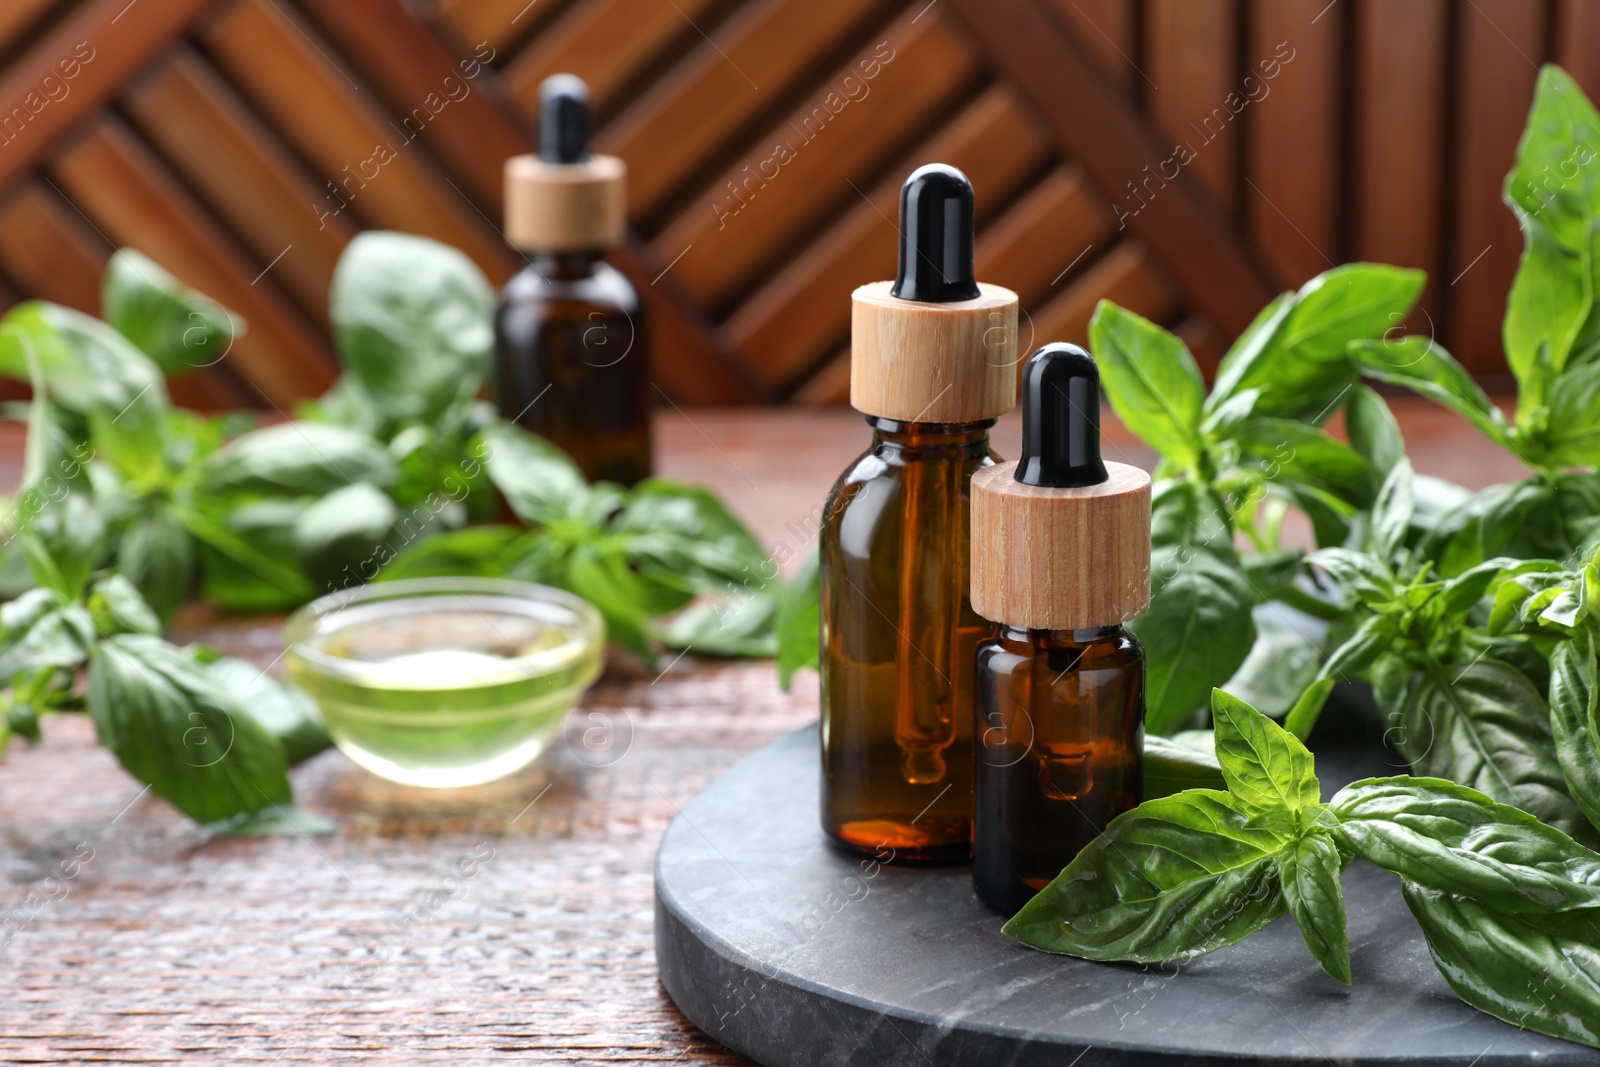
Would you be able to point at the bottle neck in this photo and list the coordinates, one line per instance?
(1042, 639)
(930, 440)
(566, 266)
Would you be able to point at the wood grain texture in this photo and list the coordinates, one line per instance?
(563, 207)
(1502, 43)
(1192, 58)
(1293, 153)
(1060, 559)
(916, 362)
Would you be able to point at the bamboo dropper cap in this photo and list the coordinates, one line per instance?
(564, 199)
(934, 345)
(1060, 539)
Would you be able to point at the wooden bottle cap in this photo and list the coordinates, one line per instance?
(1045, 558)
(917, 362)
(565, 207)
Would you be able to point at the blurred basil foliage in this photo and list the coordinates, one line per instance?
(129, 507)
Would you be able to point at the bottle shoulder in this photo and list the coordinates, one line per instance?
(604, 287)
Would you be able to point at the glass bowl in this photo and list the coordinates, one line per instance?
(444, 682)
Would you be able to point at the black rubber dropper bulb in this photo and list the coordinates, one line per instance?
(563, 119)
(1060, 419)
(936, 237)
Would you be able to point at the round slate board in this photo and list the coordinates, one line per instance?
(781, 947)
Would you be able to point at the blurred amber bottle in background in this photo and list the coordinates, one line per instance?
(933, 364)
(1060, 559)
(571, 362)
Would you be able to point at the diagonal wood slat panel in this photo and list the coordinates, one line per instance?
(238, 140)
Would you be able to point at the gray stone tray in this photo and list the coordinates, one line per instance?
(782, 948)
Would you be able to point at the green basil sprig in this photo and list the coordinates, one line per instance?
(1507, 904)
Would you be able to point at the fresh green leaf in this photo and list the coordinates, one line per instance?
(1391, 514)
(1305, 455)
(175, 729)
(1374, 433)
(1152, 381)
(1186, 760)
(287, 714)
(117, 608)
(42, 629)
(739, 625)
(178, 328)
(1266, 767)
(1294, 353)
(1281, 663)
(296, 459)
(157, 555)
(345, 535)
(1174, 878)
(1540, 972)
(414, 322)
(1446, 836)
(248, 558)
(604, 579)
(1575, 722)
(1309, 874)
(540, 482)
(1307, 709)
(287, 820)
(1424, 367)
(1572, 436)
(477, 551)
(1485, 726)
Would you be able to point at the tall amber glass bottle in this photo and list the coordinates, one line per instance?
(933, 364)
(571, 362)
(1061, 559)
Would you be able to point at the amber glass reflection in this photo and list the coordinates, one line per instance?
(571, 364)
(898, 640)
(1060, 743)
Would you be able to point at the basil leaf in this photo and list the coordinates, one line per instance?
(603, 579)
(1266, 767)
(1309, 874)
(117, 608)
(175, 729)
(1152, 381)
(1541, 972)
(1374, 433)
(1575, 722)
(1485, 726)
(539, 481)
(178, 328)
(1174, 878)
(1303, 454)
(1572, 438)
(414, 322)
(1199, 626)
(1186, 760)
(296, 459)
(286, 820)
(345, 535)
(1296, 355)
(1362, 576)
(41, 629)
(157, 555)
(477, 551)
(1391, 513)
(740, 625)
(799, 620)
(243, 556)
(64, 542)
(1424, 367)
(1279, 666)
(93, 371)
(287, 714)
(1552, 296)
(686, 531)
(1308, 708)
(1446, 836)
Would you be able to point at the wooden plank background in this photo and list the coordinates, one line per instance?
(242, 143)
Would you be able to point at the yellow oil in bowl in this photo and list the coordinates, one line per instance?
(445, 682)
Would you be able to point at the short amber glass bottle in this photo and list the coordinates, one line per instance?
(899, 635)
(933, 364)
(571, 362)
(1060, 559)
(1060, 737)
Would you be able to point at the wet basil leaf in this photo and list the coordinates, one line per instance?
(180, 329)
(177, 730)
(295, 459)
(1541, 972)
(1449, 837)
(1309, 874)
(286, 713)
(1174, 878)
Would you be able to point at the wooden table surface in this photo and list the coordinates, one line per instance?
(372, 943)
